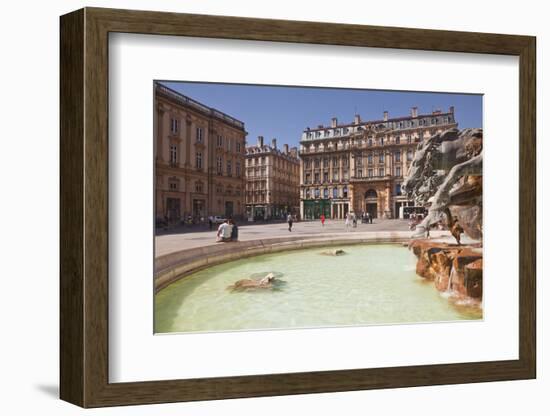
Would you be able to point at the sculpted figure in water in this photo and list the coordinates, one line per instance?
(265, 282)
(336, 252)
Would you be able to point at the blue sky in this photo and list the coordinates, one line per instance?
(284, 112)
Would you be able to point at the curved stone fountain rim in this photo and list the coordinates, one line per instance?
(171, 267)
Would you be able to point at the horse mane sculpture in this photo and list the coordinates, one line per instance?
(446, 175)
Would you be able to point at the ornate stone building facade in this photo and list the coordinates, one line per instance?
(199, 159)
(359, 167)
(272, 180)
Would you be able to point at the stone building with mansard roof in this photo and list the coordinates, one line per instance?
(272, 180)
(359, 167)
(199, 159)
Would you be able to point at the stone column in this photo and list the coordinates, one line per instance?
(188, 204)
(188, 139)
(351, 196)
(160, 134)
(388, 200)
(210, 167)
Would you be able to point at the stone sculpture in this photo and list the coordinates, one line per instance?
(446, 176)
(335, 252)
(264, 283)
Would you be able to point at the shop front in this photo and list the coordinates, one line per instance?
(314, 208)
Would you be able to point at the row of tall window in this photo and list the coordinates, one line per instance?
(359, 173)
(228, 190)
(220, 140)
(228, 167)
(335, 192)
(256, 161)
(199, 137)
(317, 177)
(326, 162)
(199, 162)
(257, 172)
(371, 173)
(343, 193)
(174, 185)
(359, 160)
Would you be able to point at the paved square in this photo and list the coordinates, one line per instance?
(186, 237)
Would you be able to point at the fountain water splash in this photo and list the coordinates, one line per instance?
(449, 292)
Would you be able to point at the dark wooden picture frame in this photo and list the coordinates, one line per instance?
(84, 207)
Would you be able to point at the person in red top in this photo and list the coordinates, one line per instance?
(323, 220)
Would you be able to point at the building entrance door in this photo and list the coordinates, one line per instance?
(198, 208)
(372, 209)
(173, 209)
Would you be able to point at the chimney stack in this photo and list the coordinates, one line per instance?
(357, 119)
(414, 112)
(334, 122)
(386, 116)
(274, 143)
(285, 148)
(260, 141)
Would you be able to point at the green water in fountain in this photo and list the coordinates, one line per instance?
(370, 284)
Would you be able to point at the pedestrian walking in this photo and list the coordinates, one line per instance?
(289, 220)
(348, 220)
(323, 220)
(210, 222)
(354, 220)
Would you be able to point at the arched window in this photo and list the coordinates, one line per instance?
(371, 193)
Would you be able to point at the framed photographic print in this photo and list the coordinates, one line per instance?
(255, 207)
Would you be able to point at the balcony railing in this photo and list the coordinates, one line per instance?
(353, 146)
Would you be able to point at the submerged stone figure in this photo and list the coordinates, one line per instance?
(336, 252)
(266, 282)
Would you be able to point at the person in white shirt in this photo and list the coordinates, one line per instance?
(289, 220)
(224, 232)
(348, 220)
